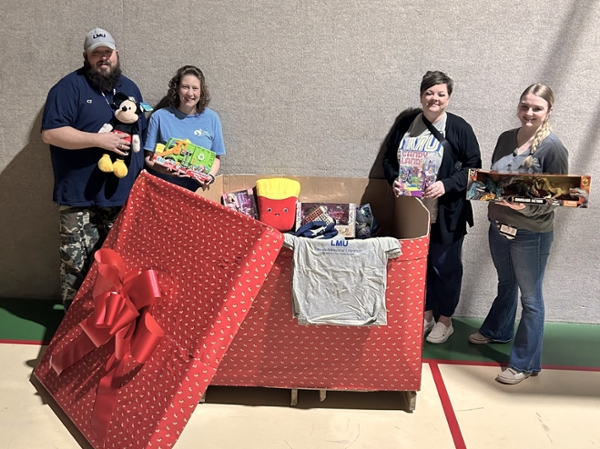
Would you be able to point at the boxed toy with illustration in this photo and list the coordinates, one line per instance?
(417, 171)
(242, 201)
(342, 214)
(185, 158)
(529, 188)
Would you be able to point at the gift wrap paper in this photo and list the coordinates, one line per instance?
(272, 350)
(208, 264)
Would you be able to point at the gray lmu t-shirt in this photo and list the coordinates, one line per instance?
(341, 282)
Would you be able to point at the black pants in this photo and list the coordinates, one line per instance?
(444, 277)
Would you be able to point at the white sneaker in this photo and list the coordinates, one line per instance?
(427, 326)
(440, 333)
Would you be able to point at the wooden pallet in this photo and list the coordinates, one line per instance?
(410, 396)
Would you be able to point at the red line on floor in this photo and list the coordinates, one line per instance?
(460, 362)
(23, 342)
(455, 431)
(475, 363)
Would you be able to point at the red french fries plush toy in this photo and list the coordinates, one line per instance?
(277, 198)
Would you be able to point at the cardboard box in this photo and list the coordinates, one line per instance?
(342, 214)
(526, 188)
(272, 350)
(402, 217)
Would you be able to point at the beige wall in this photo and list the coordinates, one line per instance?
(312, 88)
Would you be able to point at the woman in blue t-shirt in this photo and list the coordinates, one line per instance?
(186, 117)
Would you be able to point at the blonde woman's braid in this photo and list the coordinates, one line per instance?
(540, 135)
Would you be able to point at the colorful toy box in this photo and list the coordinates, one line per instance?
(342, 214)
(417, 171)
(527, 188)
(242, 201)
(186, 158)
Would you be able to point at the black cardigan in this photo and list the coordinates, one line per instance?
(454, 211)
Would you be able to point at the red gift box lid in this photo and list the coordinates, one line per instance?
(208, 264)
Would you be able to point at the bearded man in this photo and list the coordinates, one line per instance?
(89, 200)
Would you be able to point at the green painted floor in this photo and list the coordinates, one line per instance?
(29, 320)
(566, 345)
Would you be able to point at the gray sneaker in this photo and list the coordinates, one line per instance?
(512, 377)
(440, 333)
(478, 339)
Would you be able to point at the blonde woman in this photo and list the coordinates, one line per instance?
(520, 237)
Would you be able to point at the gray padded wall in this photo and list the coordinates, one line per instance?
(312, 88)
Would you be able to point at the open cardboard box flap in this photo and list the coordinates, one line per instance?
(402, 217)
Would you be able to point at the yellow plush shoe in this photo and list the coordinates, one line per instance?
(105, 164)
(120, 169)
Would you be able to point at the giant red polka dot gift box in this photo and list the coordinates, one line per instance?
(186, 292)
(272, 350)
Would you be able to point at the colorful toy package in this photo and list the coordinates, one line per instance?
(417, 171)
(242, 201)
(529, 188)
(185, 158)
(343, 214)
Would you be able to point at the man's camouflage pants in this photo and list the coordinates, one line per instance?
(82, 232)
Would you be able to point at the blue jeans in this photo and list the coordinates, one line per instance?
(520, 263)
(444, 277)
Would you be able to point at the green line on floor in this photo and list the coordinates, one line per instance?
(565, 344)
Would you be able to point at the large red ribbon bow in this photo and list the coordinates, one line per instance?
(123, 303)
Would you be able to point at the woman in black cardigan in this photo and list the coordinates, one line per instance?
(444, 198)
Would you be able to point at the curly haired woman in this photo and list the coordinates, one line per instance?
(186, 117)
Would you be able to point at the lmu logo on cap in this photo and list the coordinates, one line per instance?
(98, 38)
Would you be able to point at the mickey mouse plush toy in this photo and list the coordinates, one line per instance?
(124, 121)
